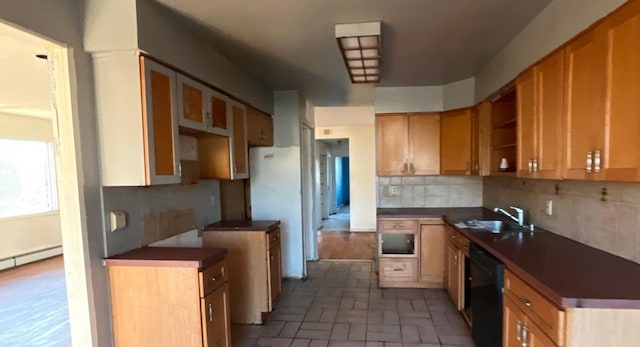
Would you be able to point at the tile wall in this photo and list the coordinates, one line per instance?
(429, 191)
(579, 211)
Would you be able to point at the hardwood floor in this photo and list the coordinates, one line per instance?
(346, 245)
(33, 305)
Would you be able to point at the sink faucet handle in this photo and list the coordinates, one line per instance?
(517, 209)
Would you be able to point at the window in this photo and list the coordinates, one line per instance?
(27, 181)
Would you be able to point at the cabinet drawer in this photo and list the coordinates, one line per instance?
(397, 225)
(273, 238)
(213, 277)
(547, 316)
(399, 269)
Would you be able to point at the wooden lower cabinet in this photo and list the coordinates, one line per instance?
(454, 274)
(254, 255)
(216, 317)
(432, 255)
(411, 252)
(519, 330)
(164, 296)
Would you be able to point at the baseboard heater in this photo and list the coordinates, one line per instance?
(30, 257)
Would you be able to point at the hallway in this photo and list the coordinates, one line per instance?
(336, 241)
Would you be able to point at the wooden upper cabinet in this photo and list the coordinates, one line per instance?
(603, 122)
(526, 103)
(240, 149)
(160, 123)
(456, 142)
(540, 126)
(424, 144)
(391, 144)
(408, 144)
(226, 156)
(585, 59)
(259, 128)
(620, 124)
(192, 105)
(219, 117)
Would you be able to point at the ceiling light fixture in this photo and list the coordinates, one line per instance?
(360, 45)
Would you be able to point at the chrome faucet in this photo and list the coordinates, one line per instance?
(519, 219)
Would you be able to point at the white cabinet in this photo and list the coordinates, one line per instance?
(137, 120)
(201, 108)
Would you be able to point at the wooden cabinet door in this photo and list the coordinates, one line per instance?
(549, 129)
(192, 105)
(240, 151)
(259, 128)
(526, 123)
(391, 144)
(432, 255)
(455, 142)
(584, 101)
(513, 323)
(535, 337)
(620, 153)
(160, 123)
(275, 274)
(215, 318)
(454, 285)
(424, 144)
(219, 108)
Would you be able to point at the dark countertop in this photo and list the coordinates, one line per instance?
(200, 258)
(244, 225)
(569, 273)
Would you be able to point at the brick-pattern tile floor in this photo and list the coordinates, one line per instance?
(340, 305)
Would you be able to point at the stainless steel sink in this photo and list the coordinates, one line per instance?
(495, 226)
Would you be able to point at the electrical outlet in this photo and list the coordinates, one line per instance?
(548, 208)
(394, 191)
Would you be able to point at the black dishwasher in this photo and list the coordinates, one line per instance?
(487, 279)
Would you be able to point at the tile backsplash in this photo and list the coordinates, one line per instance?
(604, 215)
(429, 191)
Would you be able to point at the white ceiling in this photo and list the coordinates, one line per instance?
(290, 44)
(24, 86)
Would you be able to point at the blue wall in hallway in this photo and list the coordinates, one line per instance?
(342, 181)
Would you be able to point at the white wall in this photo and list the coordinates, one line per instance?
(27, 234)
(276, 181)
(459, 94)
(409, 99)
(358, 127)
(62, 21)
(175, 40)
(556, 24)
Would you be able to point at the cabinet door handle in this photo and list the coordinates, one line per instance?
(210, 313)
(519, 330)
(589, 161)
(455, 260)
(596, 161)
(525, 301)
(412, 169)
(525, 337)
(530, 165)
(535, 164)
(213, 279)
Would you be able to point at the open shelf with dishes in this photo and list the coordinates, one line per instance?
(504, 141)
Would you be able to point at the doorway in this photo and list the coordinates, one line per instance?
(335, 238)
(50, 95)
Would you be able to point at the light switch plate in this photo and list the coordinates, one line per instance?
(118, 220)
(548, 209)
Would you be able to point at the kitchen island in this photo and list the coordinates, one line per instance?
(255, 275)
